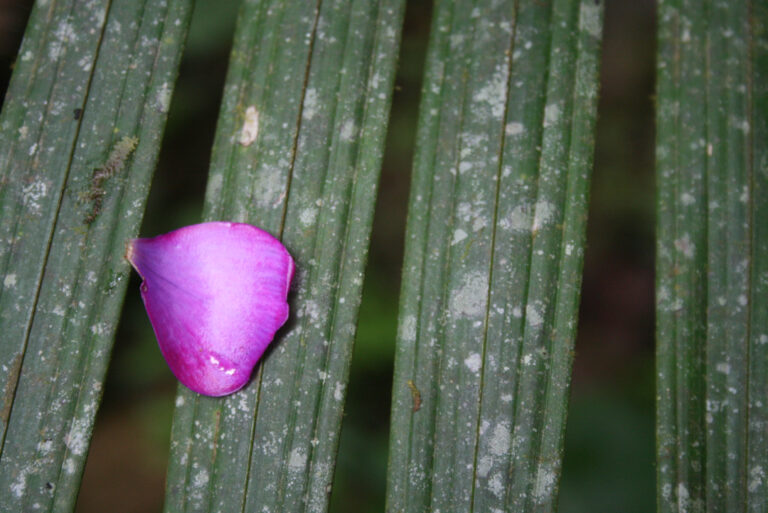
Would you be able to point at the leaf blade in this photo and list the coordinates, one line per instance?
(69, 268)
(709, 259)
(311, 177)
(470, 309)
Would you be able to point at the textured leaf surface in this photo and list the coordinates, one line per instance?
(318, 80)
(89, 95)
(492, 268)
(712, 256)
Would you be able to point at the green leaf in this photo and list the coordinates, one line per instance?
(79, 136)
(492, 271)
(319, 79)
(712, 256)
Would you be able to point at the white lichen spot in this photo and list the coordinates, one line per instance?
(723, 367)
(514, 128)
(590, 18)
(19, 486)
(64, 33)
(348, 130)
(242, 404)
(312, 310)
(533, 316)
(484, 465)
(496, 485)
(9, 281)
(98, 329)
(69, 466)
(469, 300)
(163, 98)
(297, 460)
(85, 63)
(528, 359)
(519, 220)
(713, 406)
(408, 329)
(269, 187)
(517, 312)
(179, 401)
(32, 149)
(568, 249)
(506, 398)
(742, 299)
(458, 236)
(200, 479)
(500, 440)
(473, 362)
(494, 92)
(456, 40)
(27, 56)
(545, 212)
(685, 246)
(45, 446)
(32, 193)
(683, 497)
(743, 126)
(250, 130)
(756, 478)
(545, 482)
(551, 114)
(307, 216)
(467, 211)
(687, 199)
(77, 438)
(338, 391)
(310, 104)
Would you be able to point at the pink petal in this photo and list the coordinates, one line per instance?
(215, 294)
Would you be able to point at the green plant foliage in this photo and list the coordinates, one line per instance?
(712, 256)
(492, 269)
(79, 136)
(297, 151)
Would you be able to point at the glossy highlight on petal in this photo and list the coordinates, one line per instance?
(215, 294)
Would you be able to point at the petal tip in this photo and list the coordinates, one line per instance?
(210, 373)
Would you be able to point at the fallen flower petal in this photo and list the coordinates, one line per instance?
(215, 294)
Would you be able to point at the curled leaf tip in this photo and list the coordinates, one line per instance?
(215, 293)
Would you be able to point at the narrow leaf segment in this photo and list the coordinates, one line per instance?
(712, 256)
(297, 152)
(495, 240)
(80, 132)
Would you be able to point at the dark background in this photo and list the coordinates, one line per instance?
(609, 450)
